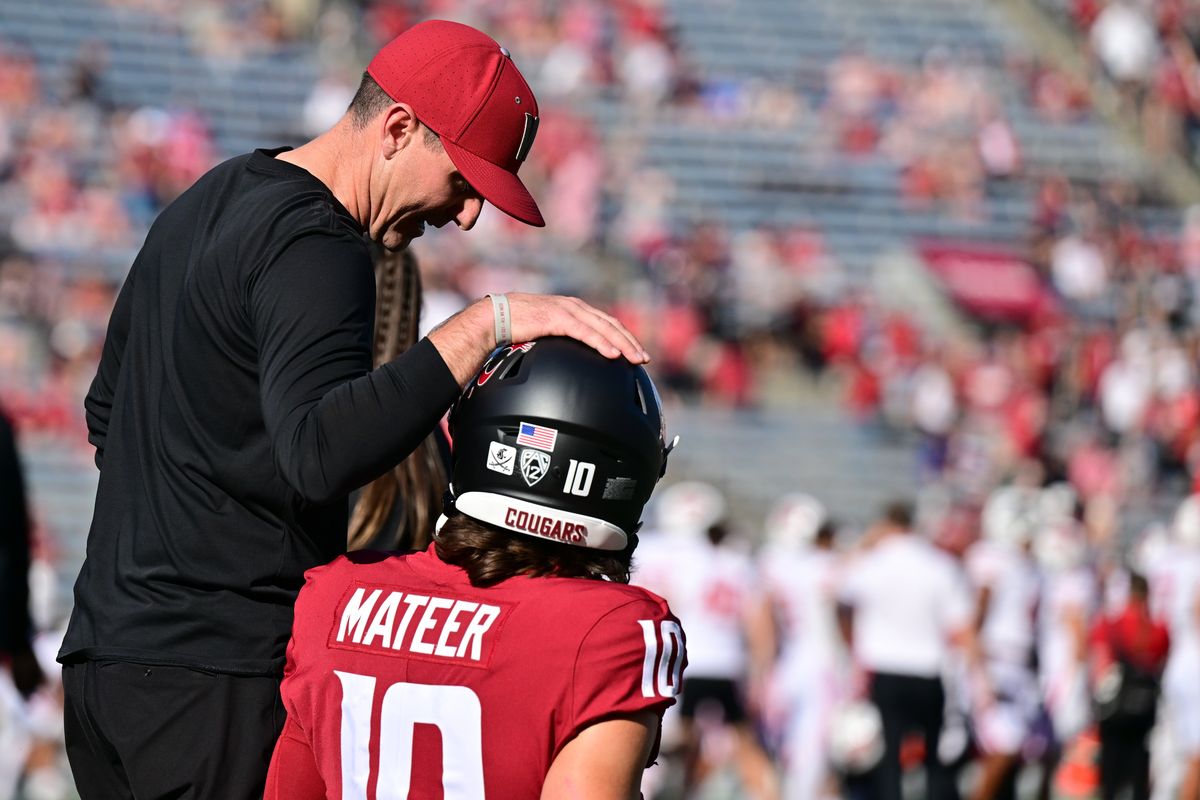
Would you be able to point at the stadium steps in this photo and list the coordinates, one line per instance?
(786, 176)
(766, 39)
(756, 457)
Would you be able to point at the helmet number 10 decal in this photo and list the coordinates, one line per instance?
(579, 478)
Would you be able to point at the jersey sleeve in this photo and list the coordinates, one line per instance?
(293, 774)
(630, 661)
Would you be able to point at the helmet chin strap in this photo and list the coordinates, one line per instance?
(447, 509)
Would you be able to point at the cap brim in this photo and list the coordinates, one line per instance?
(495, 184)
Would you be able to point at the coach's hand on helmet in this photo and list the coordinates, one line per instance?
(465, 340)
(536, 315)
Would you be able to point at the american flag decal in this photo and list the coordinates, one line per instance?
(538, 436)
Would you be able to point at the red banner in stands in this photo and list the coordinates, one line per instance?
(988, 282)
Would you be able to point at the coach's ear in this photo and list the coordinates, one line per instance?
(399, 127)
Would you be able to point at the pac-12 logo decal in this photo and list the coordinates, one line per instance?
(501, 458)
(534, 465)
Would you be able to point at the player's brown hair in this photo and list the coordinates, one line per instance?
(421, 478)
(489, 555)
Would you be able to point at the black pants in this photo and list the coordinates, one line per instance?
(145, 732)
(907, 705)
(1124, 763)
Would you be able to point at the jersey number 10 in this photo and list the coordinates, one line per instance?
(663, 663)
(455, 710)
(458, 715)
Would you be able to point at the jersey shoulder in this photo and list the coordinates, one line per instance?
(325, 585)
(360, 564)
(593, 600)
(628, 653)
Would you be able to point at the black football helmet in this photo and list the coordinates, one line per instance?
(552, 439)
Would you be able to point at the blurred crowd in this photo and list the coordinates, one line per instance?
(1030, 659)
(1148, 49)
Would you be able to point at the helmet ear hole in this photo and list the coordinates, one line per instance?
(511, 368)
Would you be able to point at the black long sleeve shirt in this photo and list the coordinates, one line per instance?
(233, 411)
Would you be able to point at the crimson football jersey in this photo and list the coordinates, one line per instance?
(404, 681)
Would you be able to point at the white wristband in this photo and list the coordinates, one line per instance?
(502, 317)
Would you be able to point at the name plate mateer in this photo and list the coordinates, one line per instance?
(391, 620)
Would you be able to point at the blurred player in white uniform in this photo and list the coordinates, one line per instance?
(711, 587)
(808, 680)
(1179, 591)
(1004, 576)
(1070, 596)
(904, 609)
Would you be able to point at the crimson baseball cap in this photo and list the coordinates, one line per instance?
(465, 87)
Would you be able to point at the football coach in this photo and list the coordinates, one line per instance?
(235, 407)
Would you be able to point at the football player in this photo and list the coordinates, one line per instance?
(710, 583)
(1179, 591)
(509, 659)
(1070, 596)
(800, 570)
(1004, 575)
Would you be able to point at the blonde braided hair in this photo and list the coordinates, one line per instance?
(421, 478)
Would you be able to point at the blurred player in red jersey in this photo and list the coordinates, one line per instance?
(1129, 650)
(510, 659)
